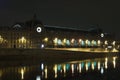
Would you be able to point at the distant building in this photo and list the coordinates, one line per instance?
(34, 34)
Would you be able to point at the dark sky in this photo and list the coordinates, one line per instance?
(71, 13)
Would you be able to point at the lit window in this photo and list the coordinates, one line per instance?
(83, 43)
(55, 40)
(72, 41)
(98, 42)
(68, 42)
(106, 42)
(59, 42)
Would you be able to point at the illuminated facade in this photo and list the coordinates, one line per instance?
(33, 34)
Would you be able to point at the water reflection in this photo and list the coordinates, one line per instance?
(38, 78)
(102, 70)
(98, 65)
(51, 71)
(55, 70)
(22, 73)
(114, 62)
(46, 72)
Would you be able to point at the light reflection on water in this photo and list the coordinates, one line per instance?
(51, 71)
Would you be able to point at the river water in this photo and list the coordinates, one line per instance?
(107, 68)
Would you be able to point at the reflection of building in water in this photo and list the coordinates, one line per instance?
(58, 70)
(86, 65)
(34, 34)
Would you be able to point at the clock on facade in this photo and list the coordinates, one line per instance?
(39, 29)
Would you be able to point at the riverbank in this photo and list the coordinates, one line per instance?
(48, 55)
(18, 51)
(90, 50)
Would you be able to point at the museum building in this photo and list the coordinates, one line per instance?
(34, 34)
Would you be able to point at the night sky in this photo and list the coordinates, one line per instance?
(83, 14)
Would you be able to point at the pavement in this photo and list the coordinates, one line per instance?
(92, 50)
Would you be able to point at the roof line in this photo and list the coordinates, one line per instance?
(64, 27)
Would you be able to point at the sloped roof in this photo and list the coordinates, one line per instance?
(64, 28)
(92, 31)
